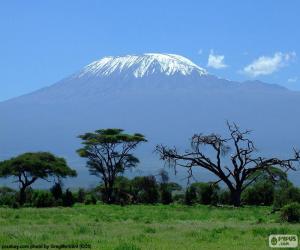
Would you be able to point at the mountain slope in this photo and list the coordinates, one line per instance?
(166, 97)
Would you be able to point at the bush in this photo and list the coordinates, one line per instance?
(42, 198)
(207, 193)
(190, 196)
(225, 197)
(81, 195)
(178, 198)
(291, 212)
(261, 193)
(145, 189)
(165, 195)
(90, 199)
(285, 195)
(203, 193)
(56, 191)
(8, 196)
(68, 199)
(122, 190)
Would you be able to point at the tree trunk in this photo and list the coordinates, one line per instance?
(236, 197)
(22, 195)
(108, 195)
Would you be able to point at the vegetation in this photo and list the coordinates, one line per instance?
(246, 167)
(109, 154)
(291, 212)
(144, 226)
(29, 167)
(203, 215)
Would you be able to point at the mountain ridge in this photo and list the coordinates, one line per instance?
(166, 108)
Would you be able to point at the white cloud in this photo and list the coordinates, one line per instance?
(293, 79)
(266, 65)
(216, 61)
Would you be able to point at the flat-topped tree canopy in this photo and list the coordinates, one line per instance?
(109, 153)
(29, 167)
(39, 165)
(111, 135)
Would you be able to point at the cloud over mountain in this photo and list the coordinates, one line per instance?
(166, 97)
(266, 65)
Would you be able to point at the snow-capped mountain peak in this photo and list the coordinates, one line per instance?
(142, 65)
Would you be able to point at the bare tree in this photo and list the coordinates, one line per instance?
(246, 165)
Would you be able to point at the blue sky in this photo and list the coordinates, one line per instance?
(45, 41)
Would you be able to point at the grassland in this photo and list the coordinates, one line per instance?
(143, 227)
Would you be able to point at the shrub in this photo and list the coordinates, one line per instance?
(291, 212)
(224, 197)
(68, 199)
(207, 193)
(90, 199)
(203, 193)
(179, 198)
(16, 205)
(81, 195)
(261, 193)
(145, 189)
(42, 198)
(190, 196)
(56, 191)
(165, 195)
(122, 190)
(8, 196)
(285, 195)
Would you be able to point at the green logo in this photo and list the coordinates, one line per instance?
(274, 241)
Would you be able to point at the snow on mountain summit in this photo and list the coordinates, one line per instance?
(142, 65)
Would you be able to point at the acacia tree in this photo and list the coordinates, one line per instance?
(246, 166)
(109, 154)
(30, 167)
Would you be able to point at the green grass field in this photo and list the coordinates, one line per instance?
(143, 227)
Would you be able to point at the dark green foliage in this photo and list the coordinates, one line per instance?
(286, 194)
(207, 193)
(145, 189)
(179, 198)
(123, 191)
(42, 198)
(109, 154)
(16, 205)
(8, 196)
(260, 193)
(29, 167)
(165, 195)
(203, 193)
(68, 199)
(225, 197)
(36, 165)
(81, 194)
(190, 197)
(273, 175)
(264, 186)
(291, 212)
(56, 191)
(90, 199)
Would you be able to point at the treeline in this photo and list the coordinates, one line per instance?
(156, 190)
(249, 178)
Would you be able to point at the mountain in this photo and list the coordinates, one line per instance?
(164, 96)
